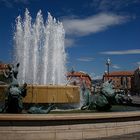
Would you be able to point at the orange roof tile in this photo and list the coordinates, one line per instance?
(78, 74)
(3, 66)
(125, 73)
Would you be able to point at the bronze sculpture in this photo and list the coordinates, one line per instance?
(14, 93)
(104, 99)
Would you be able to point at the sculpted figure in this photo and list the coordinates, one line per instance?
(14, 101)
(15, 93)
(101, 100)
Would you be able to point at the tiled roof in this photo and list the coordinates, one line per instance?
(125, 73)
(3, 66)
(80, 73)
(76, 73)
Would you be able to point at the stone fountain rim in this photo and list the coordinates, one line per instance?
(73, 116)
(49, 85)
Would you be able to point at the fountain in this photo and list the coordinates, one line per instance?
(39, 48)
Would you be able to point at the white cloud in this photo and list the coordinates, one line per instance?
(95, 77)
(115, 66)
(114, 5)
(92, 24)
(22, 1)
(123, 52)
(7, 3)
(10, 3)
(69, 42)
(85, 59)
(138, 63)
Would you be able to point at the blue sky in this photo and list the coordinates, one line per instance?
(95, 30)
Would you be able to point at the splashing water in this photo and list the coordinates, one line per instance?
(39, 48)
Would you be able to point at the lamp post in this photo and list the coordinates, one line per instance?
(108, 62)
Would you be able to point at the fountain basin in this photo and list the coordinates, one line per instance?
(68, 126)
(48, 94)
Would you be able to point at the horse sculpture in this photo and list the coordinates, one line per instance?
(101, 100)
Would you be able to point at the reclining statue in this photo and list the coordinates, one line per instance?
(36, 109)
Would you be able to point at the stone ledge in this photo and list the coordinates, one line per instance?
(73, 116)
(48, 127)
(69, 132)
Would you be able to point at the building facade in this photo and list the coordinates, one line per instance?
(3, 67)
(122, 80)
(136, 85)
(78, 78)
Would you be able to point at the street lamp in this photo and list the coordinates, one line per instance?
(108, 62)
